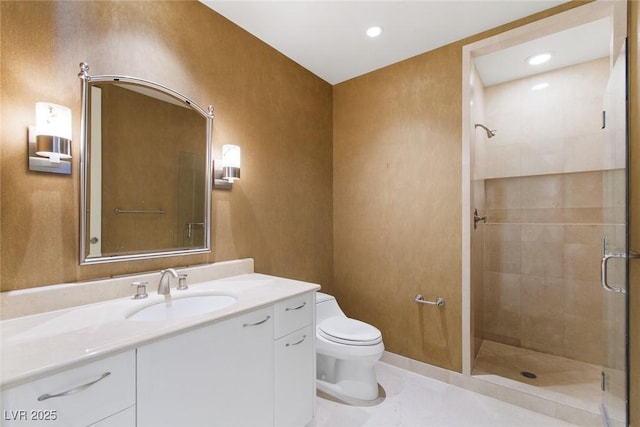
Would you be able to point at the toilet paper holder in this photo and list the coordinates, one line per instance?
(439, 302)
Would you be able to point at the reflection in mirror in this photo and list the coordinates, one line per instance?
(146, 171)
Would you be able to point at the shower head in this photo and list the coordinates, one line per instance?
(490, 132)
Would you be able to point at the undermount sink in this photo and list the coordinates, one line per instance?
(180, 308)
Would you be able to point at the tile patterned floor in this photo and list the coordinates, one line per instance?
(414, 400)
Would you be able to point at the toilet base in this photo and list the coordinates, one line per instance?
(354, 379)
(325, 391)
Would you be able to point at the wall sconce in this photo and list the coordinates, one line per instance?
(230, 167)
(49, 144)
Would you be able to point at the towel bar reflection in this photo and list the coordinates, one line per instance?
(438, 302)
(126, 211)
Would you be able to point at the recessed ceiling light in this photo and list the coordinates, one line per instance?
(539, 59)
(374, 31)
(540, 86)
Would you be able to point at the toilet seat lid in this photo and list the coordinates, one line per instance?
(344, 330)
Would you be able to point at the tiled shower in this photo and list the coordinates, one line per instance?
(543, 182)
(542, 258)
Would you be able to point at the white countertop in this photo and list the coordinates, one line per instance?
(42, 344)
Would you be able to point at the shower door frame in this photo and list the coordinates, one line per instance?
(553, 24)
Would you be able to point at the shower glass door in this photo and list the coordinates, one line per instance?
(615, 253)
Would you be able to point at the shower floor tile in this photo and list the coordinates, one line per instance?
(573, 382)
(415, 400)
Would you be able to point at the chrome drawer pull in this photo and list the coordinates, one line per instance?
(296, 308)
(304, 337)
(73, 390)
(257, 323)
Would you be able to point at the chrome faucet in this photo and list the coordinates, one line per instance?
(164, 287)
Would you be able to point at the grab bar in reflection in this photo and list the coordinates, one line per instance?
(190, 226)
(127, 211)
(438, 302)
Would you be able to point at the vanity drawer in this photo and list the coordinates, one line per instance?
(294, 313)
(75, 397)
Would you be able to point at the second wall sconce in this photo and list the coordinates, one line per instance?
(49, 144)
(230, 164)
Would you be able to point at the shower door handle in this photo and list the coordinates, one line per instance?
(603, 269)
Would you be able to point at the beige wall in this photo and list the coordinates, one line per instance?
(397, 200)
(279, 113)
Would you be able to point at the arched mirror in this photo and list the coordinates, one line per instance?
(145, 171)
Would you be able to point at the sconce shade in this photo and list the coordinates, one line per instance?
(230, 162)
(53, 130)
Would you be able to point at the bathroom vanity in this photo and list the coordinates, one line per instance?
(249, 363)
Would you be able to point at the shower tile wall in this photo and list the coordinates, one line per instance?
(542, 254)
(553, 130)
(478, 198)
(545, 172)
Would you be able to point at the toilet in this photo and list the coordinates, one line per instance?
(346, 352)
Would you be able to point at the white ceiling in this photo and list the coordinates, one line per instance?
(328, 37)
(573, 46)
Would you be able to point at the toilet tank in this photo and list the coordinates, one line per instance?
(327, 306)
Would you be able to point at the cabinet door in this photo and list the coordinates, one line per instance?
(295, 378)
(75, 397)
(217, 375)
(121, 419)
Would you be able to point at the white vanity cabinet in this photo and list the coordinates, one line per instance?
(257, 369)
(295, 389)
(100, 393)
(216, 375)
(251, 364)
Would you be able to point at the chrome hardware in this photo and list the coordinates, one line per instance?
(93, 240)
(141, 290)
(603, 272)
(477, 219)
(129, 211)
(164, 287)
(190, 226)
(182, 282)
(296, 308)
(438, 302)
(304, 337)
(490, 132)
(257, 323)
(73, 390)
(606, 256)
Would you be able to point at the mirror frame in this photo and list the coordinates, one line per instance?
(84, 167)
